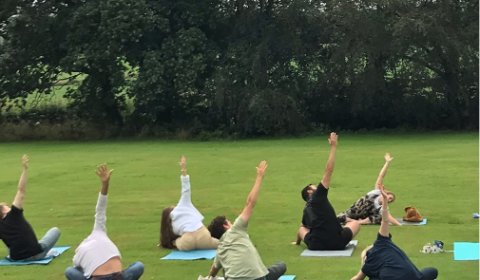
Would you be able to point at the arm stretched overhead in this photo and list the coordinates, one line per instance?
(252, 197)
(385, 214)
(101, 209)
(333, 141)
(186, 197)
(22, 184)
(383, 172)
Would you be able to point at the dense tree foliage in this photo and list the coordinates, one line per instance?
(248, 67)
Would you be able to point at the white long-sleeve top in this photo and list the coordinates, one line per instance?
(185, 217)
(97, 248)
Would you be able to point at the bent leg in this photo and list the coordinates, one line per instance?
(186, 242)
(354, 226)
(205, 240)
(429, 273)
(302, 231)
(73, 273)
(275, 271)
(48, 241)
(134, 271)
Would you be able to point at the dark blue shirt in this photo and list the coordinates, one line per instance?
(386, 261)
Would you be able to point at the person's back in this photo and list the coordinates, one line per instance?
(318, 212)
(237, 254)
(387, 261)
(97, 248)
(18, 235)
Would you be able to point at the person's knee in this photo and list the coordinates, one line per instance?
(72, 273)
(56, 230)
(282, 266)
(138, 268)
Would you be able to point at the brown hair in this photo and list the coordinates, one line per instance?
(216, 227)
(388, 192)
(166, 229)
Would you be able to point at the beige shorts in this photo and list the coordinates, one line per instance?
(197, 240)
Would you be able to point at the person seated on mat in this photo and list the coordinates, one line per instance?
(182, 226)
(385, 260)
(97, 257)
(236, 253)
(367, 209)
(17, 233)
(320, 229)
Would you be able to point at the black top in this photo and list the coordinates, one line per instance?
(386, 261)
(319, 215)
(18, 235)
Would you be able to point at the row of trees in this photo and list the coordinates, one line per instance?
(251, 67)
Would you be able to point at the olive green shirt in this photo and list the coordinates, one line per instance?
(237, 254)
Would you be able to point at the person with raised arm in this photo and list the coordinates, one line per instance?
(182, 226)
(97, 257)
(236, 253)
(385, 260)
(17, 233)
(366, 210)
(320, 229)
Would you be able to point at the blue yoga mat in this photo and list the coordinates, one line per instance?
(191, 255)
(59, 249)
(466, 251)
(347, 252)
(407, 223)
(287, 277)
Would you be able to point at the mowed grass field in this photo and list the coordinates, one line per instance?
(438, 174)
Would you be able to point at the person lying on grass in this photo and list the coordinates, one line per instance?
(17, 233)
(236, 253)
(320, 229)
(367, 209)
(97, 257)
(182, 226)
(385, 260)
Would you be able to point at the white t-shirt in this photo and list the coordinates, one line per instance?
(377, 193)
(97, 248)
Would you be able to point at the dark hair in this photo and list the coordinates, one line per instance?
(305, 190)
(216, 227)
(166, 230)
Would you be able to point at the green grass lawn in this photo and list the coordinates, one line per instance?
(438, 174)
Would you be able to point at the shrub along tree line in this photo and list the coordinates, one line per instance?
(245, 67)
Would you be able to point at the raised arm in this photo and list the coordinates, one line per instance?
(333, 140)
(385, 213)
(22, 184)
(252, 197)
(101, 209)
(383, 172)
(186, 197)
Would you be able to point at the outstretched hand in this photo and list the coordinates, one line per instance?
(183, 163)
(25, 162)
(383, 191)
(333, 140)
(388, 158)
(103, 173)
(262, 168)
